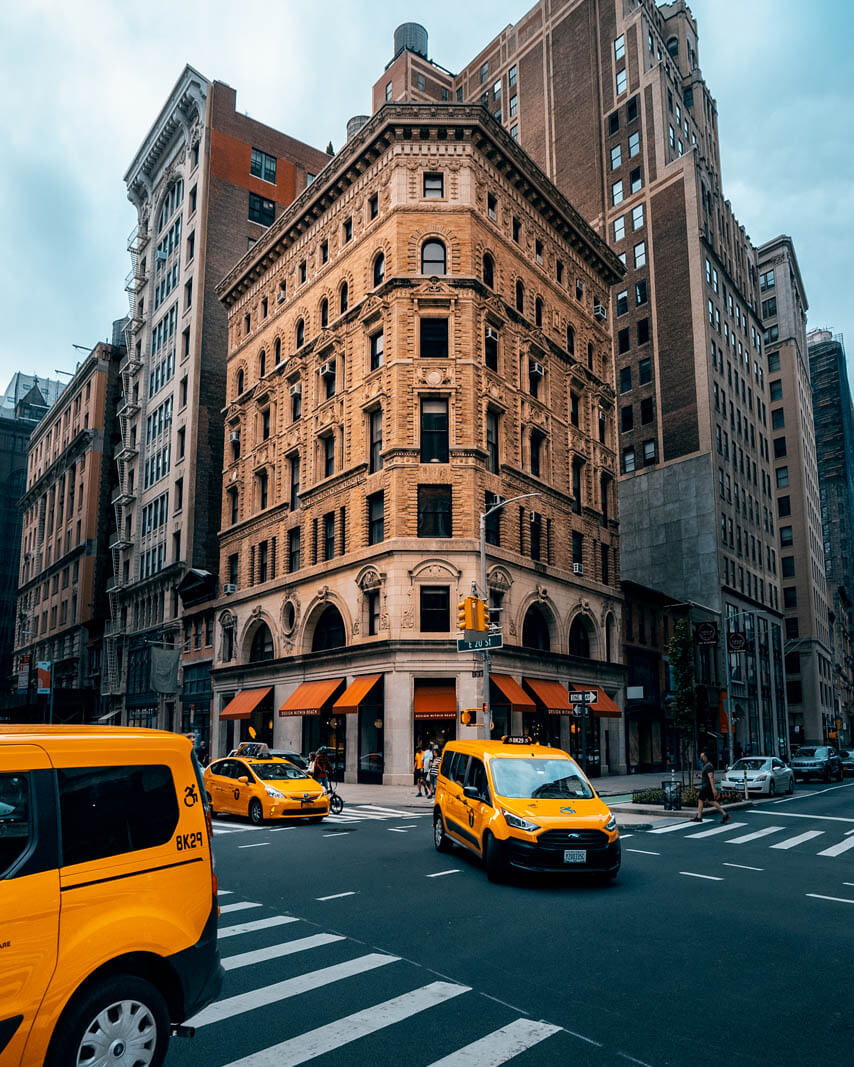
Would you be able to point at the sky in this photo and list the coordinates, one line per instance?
(81, 84)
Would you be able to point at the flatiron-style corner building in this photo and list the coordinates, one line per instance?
(422, 330)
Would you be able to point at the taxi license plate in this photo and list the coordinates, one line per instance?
(574, 855)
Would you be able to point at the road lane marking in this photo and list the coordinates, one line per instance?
(797, 815)
(817, 793)
(242, 906)
(790, 842)
(839, 848)
(276, 829)
(438, 874)
(839, 900)
(686, 825)
(631, 1059)
(643, 852)
(708, 877)
(725, 829)
(753, 836)
(341, 833)
(396, 830)
(333, 1035)
(290, 987)
(848, 883)
(847, 832)
(337, 896)
(273, 952)
(412, 826)
(256, 924)
(257, 844)
(624, 836)
(225, 892)
(499, 1046)
(744, 867)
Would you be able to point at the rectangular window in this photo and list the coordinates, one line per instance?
(434, 186)
(778, 419)
(434, 430)
(635, 180)
(627, 420)
(643, 331)
(511, 76)
(435, 609)
(648, 453)
(376, 518)
(786, 537)
(491, 206)
(628, 460)
(766, 280)
(769, 308)
(640, 292)
(328, 456)
(640, 254)
(625, 379)
(347, 230)
(373, 206)
(620, 228)
(623, 340)
(632, 109)
(434, 511)
(490, 348)
(514, 105)
(388, 91)
(620, 47)
(434, 338)
(637, 217)
(617, 193)
(492, 442)
(263, 166)
(622, 302)
(260, 210)
(782, 474)
(616, 157)
(294, 550)
(377, 344)
(779, 447)
(536, 534)
(262, 561)
(329, 535)
(634, 144)
(621, 81)
(646, 410)
(776, 389)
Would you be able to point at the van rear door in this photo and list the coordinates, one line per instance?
(29, 891)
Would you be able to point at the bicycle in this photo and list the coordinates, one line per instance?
(336, 802)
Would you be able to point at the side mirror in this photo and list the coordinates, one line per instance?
(471, 792)
(243, 779)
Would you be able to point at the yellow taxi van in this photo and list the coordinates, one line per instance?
(264, 789)
(108, 897)
(519, 804)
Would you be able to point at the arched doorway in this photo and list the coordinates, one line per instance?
(579, 638)
(538, 724)
(329, 631)
(535, 629)
(325, 729)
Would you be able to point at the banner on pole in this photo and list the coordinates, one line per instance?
(44, 676)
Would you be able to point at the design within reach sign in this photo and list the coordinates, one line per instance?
(587, 696)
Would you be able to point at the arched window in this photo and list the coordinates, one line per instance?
(609, 639)
(579, 639)
(488, 270)
(433, 258)
(570, 340)
(240, 381)
(379, 269)
(329, 632)
(324, 312)
(262, 645)
(344, 297)
(673, 46)
(535, 630)
(538, 312)
(520, 297)
(263, 481)
(277, 350)
(300, 333)
(262, 363)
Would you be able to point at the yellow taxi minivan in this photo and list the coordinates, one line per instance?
(519, 804)
(108, 897)
(263, 789)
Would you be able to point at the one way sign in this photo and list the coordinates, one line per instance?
(587, 696)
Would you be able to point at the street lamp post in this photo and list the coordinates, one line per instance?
(727, 618)
(484, 592)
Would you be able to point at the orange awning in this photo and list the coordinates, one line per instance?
(355, 693)
(552, 694)
(516, 696)
(603, 706)
(242, 705)
(309, 698)
(435, 700)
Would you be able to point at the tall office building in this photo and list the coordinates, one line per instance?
(608, 98)
(808, 661)
(834, 437)
(206, 183)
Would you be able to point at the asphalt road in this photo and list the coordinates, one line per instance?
(354, 942)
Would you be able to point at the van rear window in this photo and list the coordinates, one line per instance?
(107, 811)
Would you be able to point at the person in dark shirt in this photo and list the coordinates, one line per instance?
(708, 792)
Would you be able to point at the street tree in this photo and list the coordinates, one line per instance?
(683, 708)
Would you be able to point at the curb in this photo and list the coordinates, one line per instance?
(652, 809)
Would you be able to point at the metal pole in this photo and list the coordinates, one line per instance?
(52, 687)
(728, 693)
(484, 592)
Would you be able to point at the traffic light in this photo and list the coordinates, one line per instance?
(481, 615)
(465, 614)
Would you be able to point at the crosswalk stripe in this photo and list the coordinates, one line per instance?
(244, 905)
(290, 987)
(753, 837)
(790, 842)
(725, 829)
(273, 952)
(225, 892)
(333, 1035)
(256, 924)
(840, 847)
(500, 1046)
(389, 811)
(686, 825)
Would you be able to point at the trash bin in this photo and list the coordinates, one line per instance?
(672, 795)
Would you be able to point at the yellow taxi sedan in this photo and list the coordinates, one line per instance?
(264, 789)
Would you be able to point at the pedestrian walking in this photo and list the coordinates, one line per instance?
(708, 792)
(426, 761)
(321, 768)
(418, 769)
(434, 769)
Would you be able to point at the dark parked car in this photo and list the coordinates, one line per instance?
(817, 761)
(847, 757)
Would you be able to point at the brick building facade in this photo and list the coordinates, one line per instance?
(421, 332)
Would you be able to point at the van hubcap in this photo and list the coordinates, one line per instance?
(123, 1033)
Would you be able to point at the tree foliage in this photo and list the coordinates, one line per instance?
(683, 709)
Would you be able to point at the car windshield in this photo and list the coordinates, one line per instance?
(277, 772)
(541, 779)
(806, 752)
(754, 764)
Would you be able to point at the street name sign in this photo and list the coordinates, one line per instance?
(481, 644)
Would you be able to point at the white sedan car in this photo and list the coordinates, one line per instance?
(765, 774)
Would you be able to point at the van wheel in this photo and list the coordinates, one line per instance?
(121, 1019)
(256, 812)
(791, 788)
(493, 858)
(440, 838)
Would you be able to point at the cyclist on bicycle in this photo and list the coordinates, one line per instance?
(321, 768)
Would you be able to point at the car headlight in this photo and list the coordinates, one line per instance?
(611, 824)
(274, 793)
(518, 823)
(762, 777)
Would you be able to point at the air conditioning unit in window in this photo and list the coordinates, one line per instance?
(280, 296)
(327, 370)
(537, 370)
(229, 588)
(493, 500)
(599, 312)
(161, 254)
(295, 390)
(234, 437)
(578, 568)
